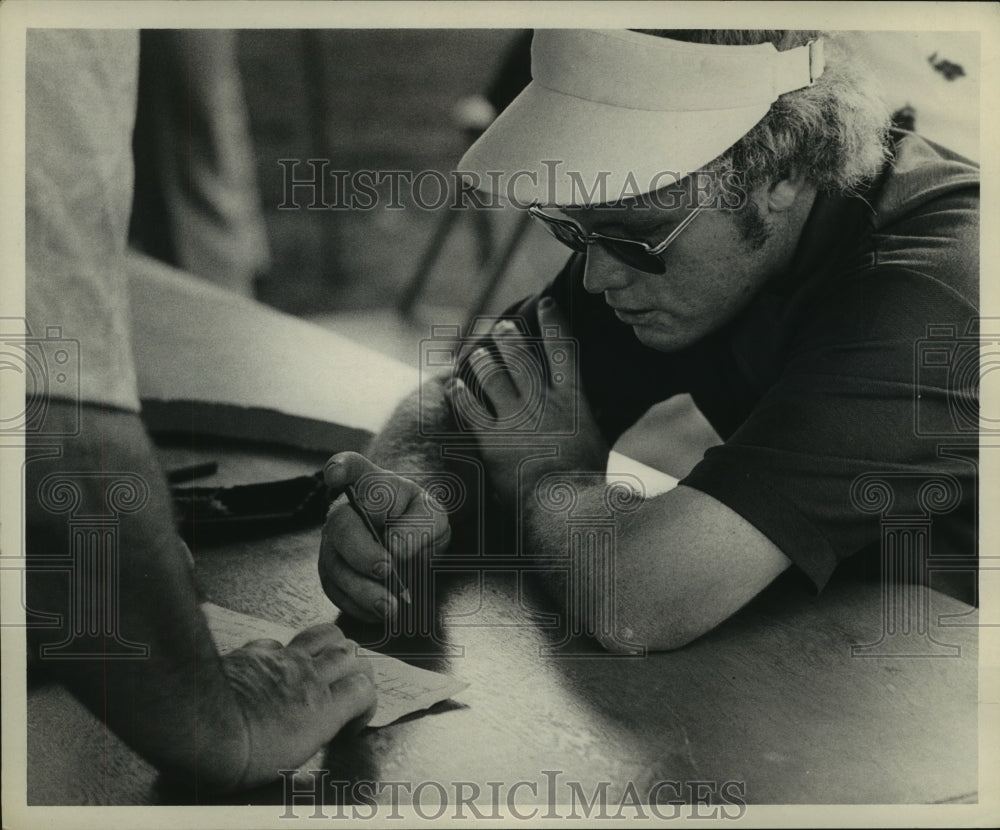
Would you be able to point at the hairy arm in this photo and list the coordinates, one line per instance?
(401, 443)
(222, 722)
(421, 436)
(680, 563)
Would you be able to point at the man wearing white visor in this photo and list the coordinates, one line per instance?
(748, 230)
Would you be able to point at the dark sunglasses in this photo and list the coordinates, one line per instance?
(632, 252)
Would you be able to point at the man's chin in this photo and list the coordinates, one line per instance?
(662, 339)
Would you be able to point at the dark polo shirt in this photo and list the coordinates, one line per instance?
(861, 361)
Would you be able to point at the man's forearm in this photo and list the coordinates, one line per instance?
(403, 443)
(172, 705)
(656, 572)
(576, 563)
(422, 438)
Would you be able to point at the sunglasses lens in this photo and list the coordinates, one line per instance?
(567, 237)
(635, 256)
(632, 254)
(564, 233)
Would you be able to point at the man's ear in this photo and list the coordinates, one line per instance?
(783, 192)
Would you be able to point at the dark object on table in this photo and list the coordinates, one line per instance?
(269, 507)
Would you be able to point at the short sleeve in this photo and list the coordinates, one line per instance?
(851, 405)
(80, 107)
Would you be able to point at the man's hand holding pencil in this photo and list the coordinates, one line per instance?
(359, 562)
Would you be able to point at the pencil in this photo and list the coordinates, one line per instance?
(352, 497)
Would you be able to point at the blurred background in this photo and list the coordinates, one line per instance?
(383, 100)
(226, 118)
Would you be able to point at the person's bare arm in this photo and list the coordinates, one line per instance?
(402, 445)
(682, 563)
(219, 722)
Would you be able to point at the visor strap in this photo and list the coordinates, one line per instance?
(798, 68)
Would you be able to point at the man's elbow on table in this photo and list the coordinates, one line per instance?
(650, 629)
(685, 563)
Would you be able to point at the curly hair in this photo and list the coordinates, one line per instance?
(835, 132)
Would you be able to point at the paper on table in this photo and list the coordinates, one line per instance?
(402, 688)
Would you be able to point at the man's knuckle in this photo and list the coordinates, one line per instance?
(359, 686)
(332, 655)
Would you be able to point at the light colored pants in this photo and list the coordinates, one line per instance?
(197, 202)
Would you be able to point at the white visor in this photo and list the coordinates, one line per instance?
(611, 115)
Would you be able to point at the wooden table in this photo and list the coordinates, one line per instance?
(773, 701)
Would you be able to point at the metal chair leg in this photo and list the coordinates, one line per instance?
(497, 267)
(430, 256)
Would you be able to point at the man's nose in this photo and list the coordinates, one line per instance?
(603, 272)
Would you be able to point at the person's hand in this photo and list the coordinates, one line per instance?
(510, 383)
(354, 569)
(295, 698)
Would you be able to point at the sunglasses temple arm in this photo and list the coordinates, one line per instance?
(659, 249)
